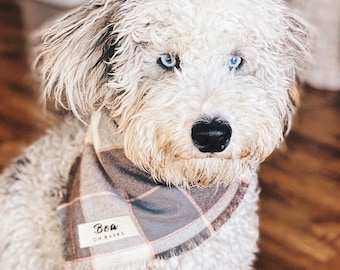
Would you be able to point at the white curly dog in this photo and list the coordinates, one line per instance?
(185, 98)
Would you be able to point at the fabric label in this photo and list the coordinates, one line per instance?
(105, 231)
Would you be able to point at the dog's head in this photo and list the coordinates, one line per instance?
(202, 91)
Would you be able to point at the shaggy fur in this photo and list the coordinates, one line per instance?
(110, 54)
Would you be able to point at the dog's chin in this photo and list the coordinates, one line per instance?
(199, 172)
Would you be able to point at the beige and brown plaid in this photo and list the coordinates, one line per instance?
(115, 213)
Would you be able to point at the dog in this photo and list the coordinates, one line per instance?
(170, 108)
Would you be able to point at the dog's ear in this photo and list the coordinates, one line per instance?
(296, 50)
(73, 63)
(297, 40)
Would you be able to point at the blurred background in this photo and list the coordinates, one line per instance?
(300, 183)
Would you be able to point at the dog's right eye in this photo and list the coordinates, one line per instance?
(235, 62)
(168, 61)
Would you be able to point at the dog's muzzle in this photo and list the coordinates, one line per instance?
(211, 136)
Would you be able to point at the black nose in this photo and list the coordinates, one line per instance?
(211, 136)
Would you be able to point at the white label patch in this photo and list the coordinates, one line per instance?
(105, 231)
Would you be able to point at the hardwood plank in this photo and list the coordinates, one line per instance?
(300, 202)
(21, 117)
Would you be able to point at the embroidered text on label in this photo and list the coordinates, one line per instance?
(105, 231)
(100, 228)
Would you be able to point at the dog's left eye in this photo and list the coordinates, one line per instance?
(168, 61)
(235, 62)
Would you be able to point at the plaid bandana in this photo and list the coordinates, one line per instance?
(115, 214)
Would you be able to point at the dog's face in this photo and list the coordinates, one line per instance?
(202, 91)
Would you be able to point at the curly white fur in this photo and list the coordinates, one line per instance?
(105, 55)
(257, 100)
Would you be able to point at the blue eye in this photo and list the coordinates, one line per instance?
(235, 62)
(168, 61)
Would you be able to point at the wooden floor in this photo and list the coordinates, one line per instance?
(300, 199)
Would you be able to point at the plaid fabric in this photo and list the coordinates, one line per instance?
(115, 213)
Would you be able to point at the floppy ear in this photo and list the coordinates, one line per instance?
(296, 42)
(73, 61)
